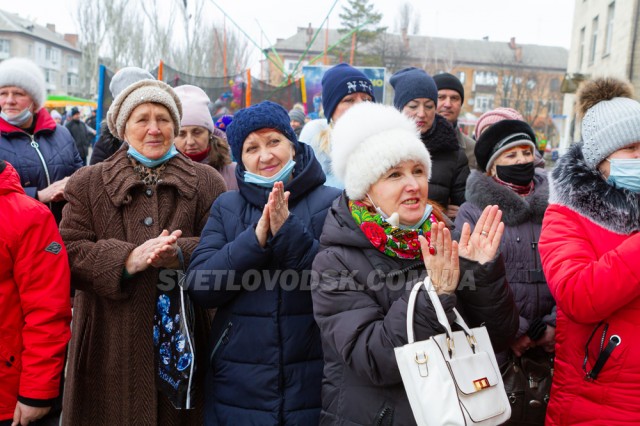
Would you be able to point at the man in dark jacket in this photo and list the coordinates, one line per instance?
(80, 133)
(450, 102)
(34, 295)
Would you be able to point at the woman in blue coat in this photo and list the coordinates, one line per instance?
(44, 154)
(252, 264)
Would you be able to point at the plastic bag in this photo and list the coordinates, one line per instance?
(173, 343)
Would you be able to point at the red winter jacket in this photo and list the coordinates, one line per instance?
(590, 250)
(34, 299)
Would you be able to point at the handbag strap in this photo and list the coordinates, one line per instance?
(435, 301)
(442, 316)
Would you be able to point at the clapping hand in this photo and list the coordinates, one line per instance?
(278, 207)
(274, 214)
(166, 256)
(160, 252)
(482, 245)
(440, 256)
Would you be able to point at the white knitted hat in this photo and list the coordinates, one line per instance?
(368, 140)
(136, 94)
(25, 74)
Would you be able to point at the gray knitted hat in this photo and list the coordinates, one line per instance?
(25, 74)
(611, 120)
(143, 91)
(126, 77)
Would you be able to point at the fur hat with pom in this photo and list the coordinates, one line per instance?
(610, 118)
(25, 74)
(370, 139)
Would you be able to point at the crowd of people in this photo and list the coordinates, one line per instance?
(257, 269)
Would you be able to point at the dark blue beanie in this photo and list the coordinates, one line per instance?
(265, 115)
(340, 81)
(412, 83)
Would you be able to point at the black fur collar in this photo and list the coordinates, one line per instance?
(441, 137)
(583, 190)
(482, 191)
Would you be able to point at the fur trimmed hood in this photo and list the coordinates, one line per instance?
(482, 191)
(582, 189)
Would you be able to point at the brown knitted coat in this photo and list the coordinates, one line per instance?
(110, 375)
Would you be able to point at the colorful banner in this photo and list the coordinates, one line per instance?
(313, 86)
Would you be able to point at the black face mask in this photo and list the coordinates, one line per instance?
(517, 174)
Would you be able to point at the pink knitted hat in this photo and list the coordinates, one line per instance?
(493, 116)
(195, 109)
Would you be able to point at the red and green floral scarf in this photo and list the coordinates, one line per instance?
(390, 240)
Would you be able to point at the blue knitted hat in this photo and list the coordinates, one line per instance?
(340, 81)
(412, 83)
(265, 115)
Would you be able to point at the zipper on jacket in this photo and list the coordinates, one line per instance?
(404, 270)
(35, 146)
(223, 336)
(382, 417)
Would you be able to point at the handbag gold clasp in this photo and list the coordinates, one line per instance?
(481, 383)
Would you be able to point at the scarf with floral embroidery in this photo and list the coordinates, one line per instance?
(390, 240)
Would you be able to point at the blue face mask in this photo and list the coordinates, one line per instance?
(394, 219)
(625, 173)
(283, 175)
(153, 163)
(18, 119)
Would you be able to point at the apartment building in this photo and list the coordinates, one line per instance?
(57, 54)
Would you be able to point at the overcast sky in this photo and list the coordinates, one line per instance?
(544, 22)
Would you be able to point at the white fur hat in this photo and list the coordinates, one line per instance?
(25, 74)
(370, 139)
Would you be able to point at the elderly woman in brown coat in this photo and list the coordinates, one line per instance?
(129, 224)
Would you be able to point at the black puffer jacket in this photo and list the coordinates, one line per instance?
(449, 164)
(360, 303)
(105, 146)
(522, 217)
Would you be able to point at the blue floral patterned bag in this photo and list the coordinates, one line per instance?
(173, 342)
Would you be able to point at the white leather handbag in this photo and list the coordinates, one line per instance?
(451, 378)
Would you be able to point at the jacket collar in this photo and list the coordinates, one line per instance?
(120, 179)
(584, 190)
(483, 191)
(307, 174)
(441, 137)
(44, 122)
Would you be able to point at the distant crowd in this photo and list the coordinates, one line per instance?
(167, 267)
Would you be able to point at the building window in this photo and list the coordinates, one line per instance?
(5, 48)
(528, 108)
(50, 76)
(461, 76)
(531, 84)
(583, 32)
(485, 78)
(555, 85)
(72, 80)
(609, 34)
(483, 104)
(594, 40)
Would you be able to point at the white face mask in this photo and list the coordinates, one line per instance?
(625, 173)
(20, 118)
(394, 219)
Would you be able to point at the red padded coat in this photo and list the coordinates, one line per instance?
(35, 309)
(590, 250)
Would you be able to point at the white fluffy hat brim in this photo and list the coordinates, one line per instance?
(368, 140)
